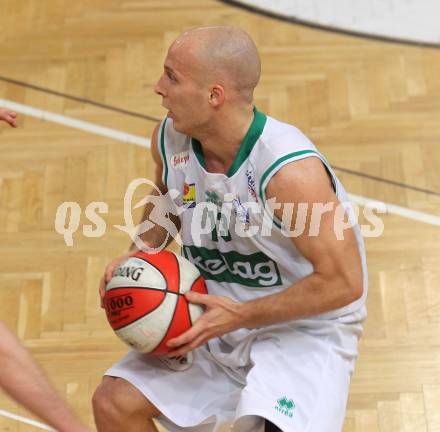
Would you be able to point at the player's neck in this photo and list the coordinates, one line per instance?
(221, 144)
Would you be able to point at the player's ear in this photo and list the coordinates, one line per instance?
(217, 95)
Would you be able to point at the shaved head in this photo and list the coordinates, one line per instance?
(221, 55)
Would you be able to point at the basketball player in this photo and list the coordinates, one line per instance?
(277, 344)
(22, 379)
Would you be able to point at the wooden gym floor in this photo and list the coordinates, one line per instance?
(371, 107)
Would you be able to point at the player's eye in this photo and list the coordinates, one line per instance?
(171, 76)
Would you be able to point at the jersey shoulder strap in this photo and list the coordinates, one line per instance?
(173, 148)
(280, 144)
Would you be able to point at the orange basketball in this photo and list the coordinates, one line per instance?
(145, 302)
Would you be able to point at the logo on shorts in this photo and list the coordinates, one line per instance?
(285, 406)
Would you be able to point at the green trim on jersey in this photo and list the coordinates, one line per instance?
(197, 149)
(251, 137)
(164, 156)
(267, 175)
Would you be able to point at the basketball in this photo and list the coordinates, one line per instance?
(145, 303)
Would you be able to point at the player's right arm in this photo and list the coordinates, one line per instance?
(158, 235)
(155, 236)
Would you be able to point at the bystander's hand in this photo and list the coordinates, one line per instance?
(9, 117)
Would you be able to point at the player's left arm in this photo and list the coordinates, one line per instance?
(336, 279)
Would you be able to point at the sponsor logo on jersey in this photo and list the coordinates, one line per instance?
(251, 184)
(180, 160)
(242, 212)
(212, 196)
(252, 270)
(285, 406)
(189, 195)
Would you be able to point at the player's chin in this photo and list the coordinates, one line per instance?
(180, 126)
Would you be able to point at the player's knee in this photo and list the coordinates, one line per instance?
(102, 405)
(116, 399)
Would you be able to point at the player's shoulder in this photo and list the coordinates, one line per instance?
(279, 143)
(277, 130)
(286, 156)
(280, 140)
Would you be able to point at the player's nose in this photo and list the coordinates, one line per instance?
(159, 88)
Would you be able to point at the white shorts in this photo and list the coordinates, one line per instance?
(296, 375)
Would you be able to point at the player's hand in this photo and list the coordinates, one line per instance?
(9, 117)
(109, 272)
(222, 316)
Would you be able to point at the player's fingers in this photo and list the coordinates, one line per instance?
(178, 341)
(102, 291)
(10, 120)
(115, 263)
(184, 338)
(110, 269)
(197, 298)
(102, 287)
(109, 272)
(202, 339)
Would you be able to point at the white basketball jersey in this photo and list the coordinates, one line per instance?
(225, 228)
